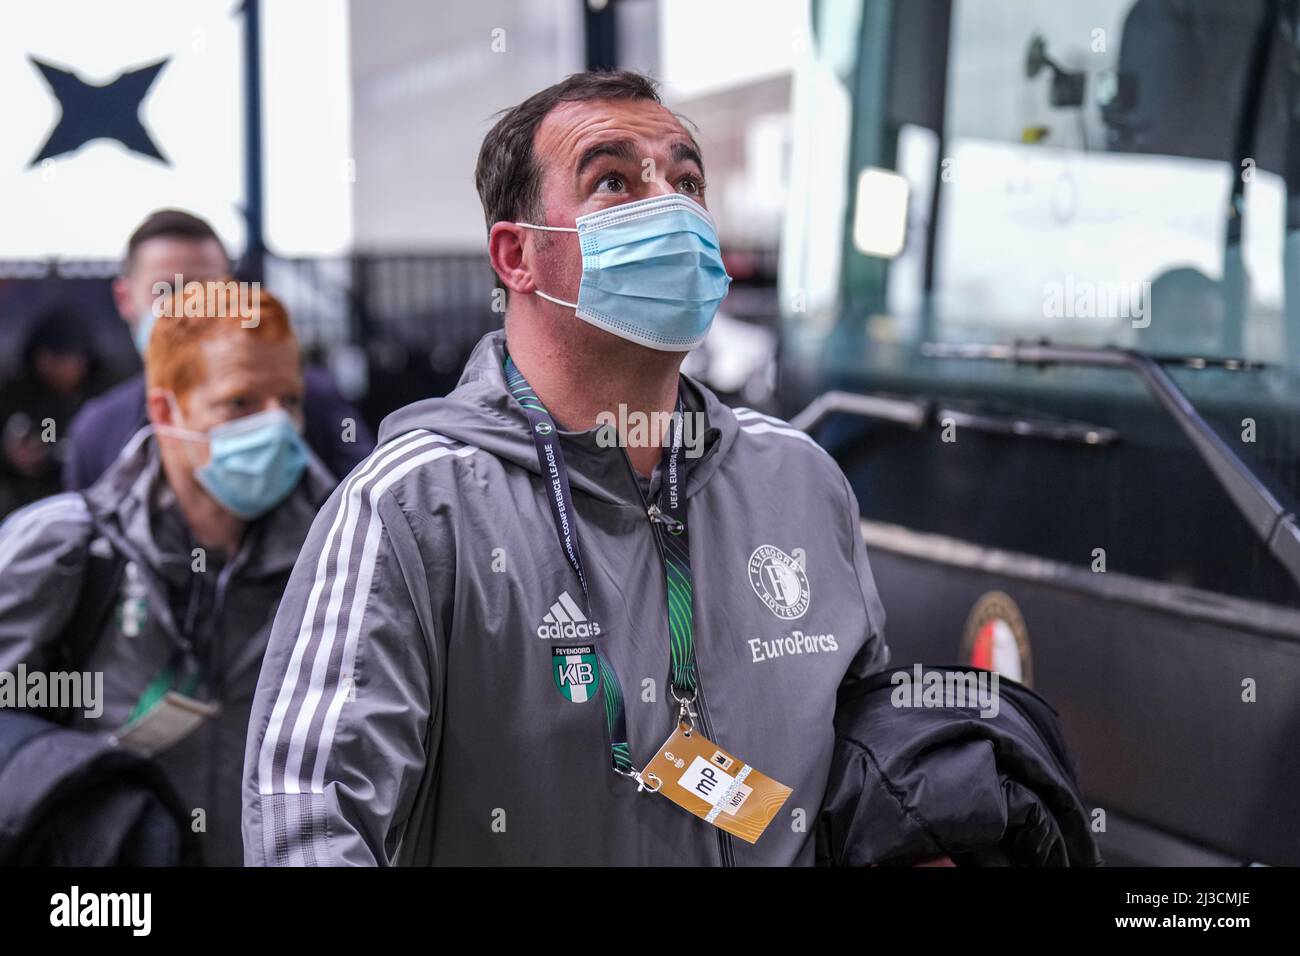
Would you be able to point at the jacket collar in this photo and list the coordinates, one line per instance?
(481, 411)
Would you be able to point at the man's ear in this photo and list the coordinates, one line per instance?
(160, 409)
(506, 250)
(122, 299)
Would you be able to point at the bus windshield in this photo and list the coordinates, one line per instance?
(1109, 173)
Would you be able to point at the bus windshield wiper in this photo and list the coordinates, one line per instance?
(1272, 521)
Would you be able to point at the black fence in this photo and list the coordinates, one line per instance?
(392, 328)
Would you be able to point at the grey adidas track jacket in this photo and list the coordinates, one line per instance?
(407, 712)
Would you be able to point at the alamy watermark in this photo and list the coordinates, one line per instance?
(213, 300)
(1085, 299)
(58, 690)
(133, 911)
(945, 688)
(636, 429)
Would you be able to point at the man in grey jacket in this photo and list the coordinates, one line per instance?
(163, 577)
(502, 616)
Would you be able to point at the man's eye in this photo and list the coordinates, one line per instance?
(610, 183)
(691, 186)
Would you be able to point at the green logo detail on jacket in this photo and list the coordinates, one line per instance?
(133, 605)
(576, 672)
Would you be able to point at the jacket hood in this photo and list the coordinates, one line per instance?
(482, 412)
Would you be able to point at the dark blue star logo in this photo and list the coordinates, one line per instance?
(89, 112)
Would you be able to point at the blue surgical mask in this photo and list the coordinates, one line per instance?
(143, 329)
(652, 271)
(254, 462)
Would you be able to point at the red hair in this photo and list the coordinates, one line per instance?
(203, 311)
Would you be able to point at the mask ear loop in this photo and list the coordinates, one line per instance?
(181, 433)
(529, 225)
(567, 305)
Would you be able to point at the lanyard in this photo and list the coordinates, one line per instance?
(674, 548)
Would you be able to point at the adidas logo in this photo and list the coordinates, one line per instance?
(565, 621)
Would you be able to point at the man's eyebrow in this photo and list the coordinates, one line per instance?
(687, 153)
(620, 149)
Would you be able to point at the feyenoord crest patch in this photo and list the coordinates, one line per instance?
(996, 638)
(576, 671)
(779, 582)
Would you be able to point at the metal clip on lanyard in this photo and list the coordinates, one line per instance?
(674, 546)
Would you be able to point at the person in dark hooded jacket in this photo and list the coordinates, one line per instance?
(58, 373)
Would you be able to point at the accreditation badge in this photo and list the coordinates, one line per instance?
(576, 672)
(718, 787)
(166, 724)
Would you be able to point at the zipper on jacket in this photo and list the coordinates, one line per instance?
(658, 521)
(214, 625)
(658, 517)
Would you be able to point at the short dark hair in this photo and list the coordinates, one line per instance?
(169, 224)
(508, 179)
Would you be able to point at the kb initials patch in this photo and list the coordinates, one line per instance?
(576, 671)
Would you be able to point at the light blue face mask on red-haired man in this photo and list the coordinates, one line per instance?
(652, 271)
(254, 462)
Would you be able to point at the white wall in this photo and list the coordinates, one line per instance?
(427, 79)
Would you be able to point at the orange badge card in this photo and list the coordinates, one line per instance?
(718, 787)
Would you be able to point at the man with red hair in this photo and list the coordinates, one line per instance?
(166, 573)
(171, 243)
